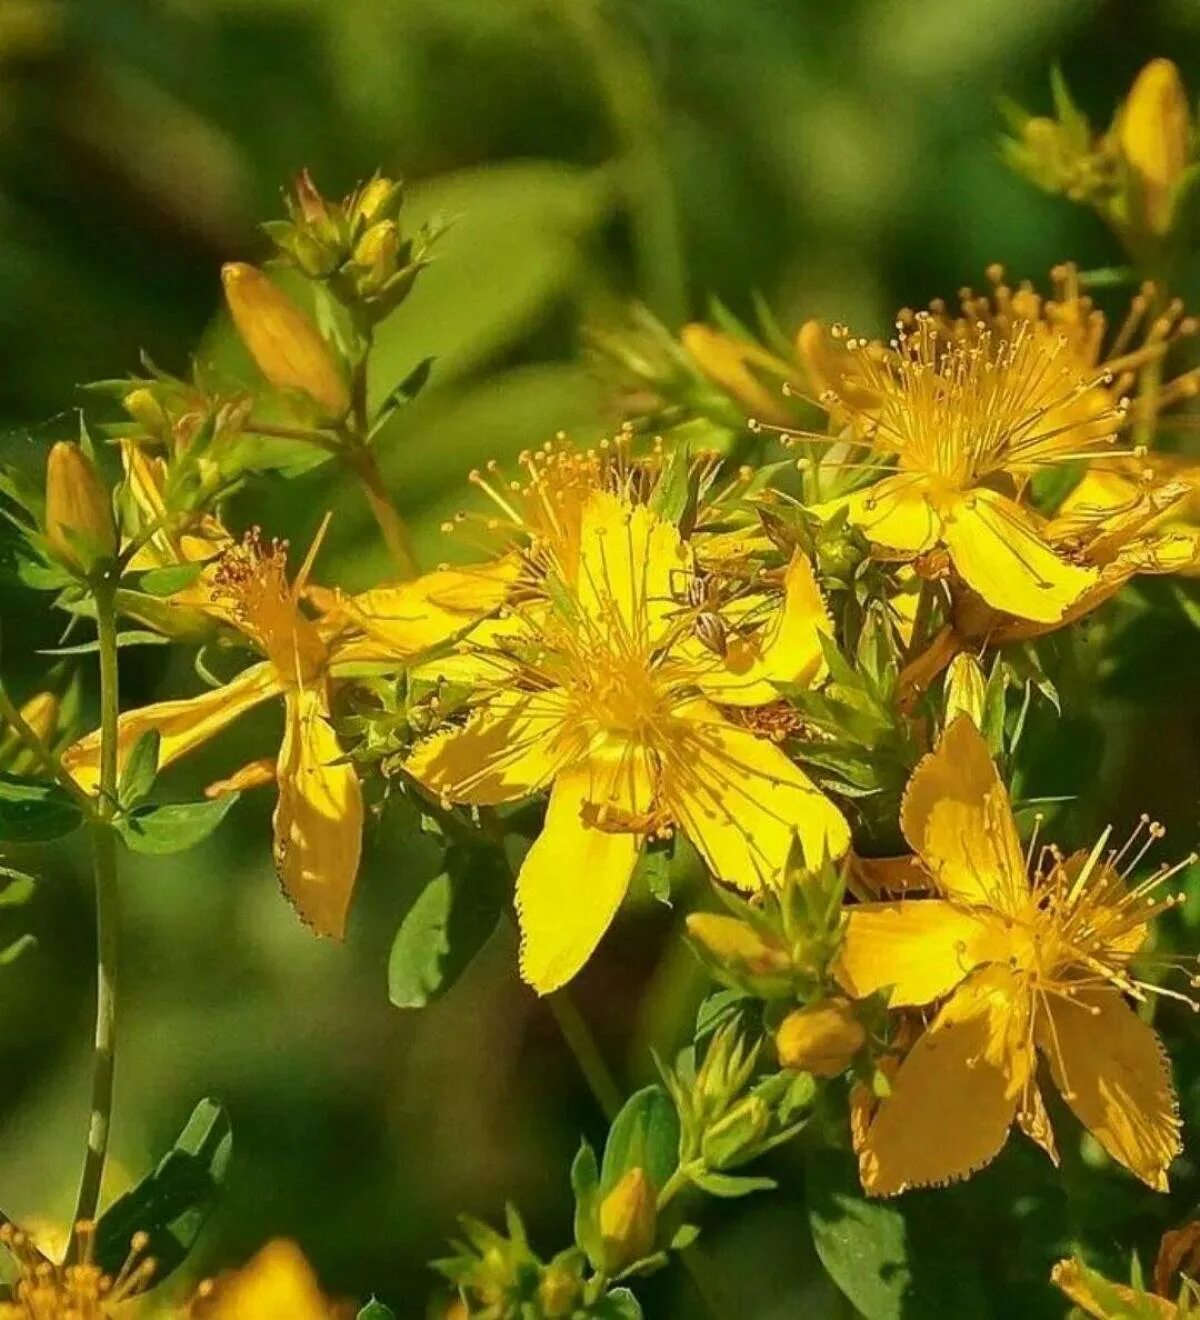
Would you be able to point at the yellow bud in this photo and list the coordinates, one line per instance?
(820, 1039)
(628, 1221)
(374, 198)
(1155, 138)
(40, 712)
(724, 361)
(966, 690)
(146, 410)
(558, 1292)
(379, 245)
(283, 341)
(737, 944)
(79, 520)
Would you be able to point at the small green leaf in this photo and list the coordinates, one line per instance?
(132, 637)
(167, 581)
(447, 925)
(645, 1135)
(375, 1310)
(33, 811)
(17, 887)
(730, 1185)
(137, 776)
(12, 952)
(585, 1183)
(172, 1202)
(174, 826)
(676, 492)
(620, 1304)
(685, 1235)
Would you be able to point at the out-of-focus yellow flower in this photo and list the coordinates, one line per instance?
(276, 1283)
(282, 339)
(731, 364)
(1024, 964)
(821, 1038)
(1175, 1292)
(79, 518)
(82, 1291)
(1154, 131)
(585, 691)
(628, 1221)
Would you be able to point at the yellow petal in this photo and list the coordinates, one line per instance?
(786, 649)
(1034, 1120)
(278, 1281)
(508, 749)
(182, 725)
(895, 514)
(724, 361)
(742, 802)
(319, 815)
(999, 552)
(954, 1097)
(1113, 1072)
(632, 566)
(575, 875)
(956, 815)
(411, 617)
(1104, 1300)
(920, 947)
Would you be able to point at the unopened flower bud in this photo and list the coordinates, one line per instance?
(820, 1038)
(146, 410)
(79, 520)
(628, 1221)
(734, 1137)
(376, 199)
(316, 259)
(377, 251)
(1155, 138)
(40, 712)
(558, 1291)
(724, 360)
(284, 343)
(737, 947)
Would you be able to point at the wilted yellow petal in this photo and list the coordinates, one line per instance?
(957, 816)
(742, 802)
(920, 947)
(1104, 1300)
(574, 877)
(1113, 1072)
(319, 816)
(997, 549)
(508, 749)
(955, 1096)
(182, 725)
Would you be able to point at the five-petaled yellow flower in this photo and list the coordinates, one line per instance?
(590, 691)
(1024, 964)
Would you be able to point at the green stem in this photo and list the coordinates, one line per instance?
(54, 767)
(104, 853)
(582, 1044)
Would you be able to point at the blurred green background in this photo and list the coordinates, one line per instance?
(838, 158)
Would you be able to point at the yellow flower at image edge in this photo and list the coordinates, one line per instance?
(590, 693)
(277, 1284)
(1024, 965)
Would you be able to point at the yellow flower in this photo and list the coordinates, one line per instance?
(1024, 964)
(966, 409)
(586, 691)
(278, 1281)
(165, 543)
(1154, 131)
(82, 1291)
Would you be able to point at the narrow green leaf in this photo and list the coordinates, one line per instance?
(33, 811)
(17, 887)
(137, 776)
(167, 581)
(12, 952)
(132, 637)
(731, 1185)
(585, 1183)
(645, 1135)
(174, 826)
(620, 1304)
(172, 1202)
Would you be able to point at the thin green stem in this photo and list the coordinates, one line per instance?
(582, 1044)
(104, 853)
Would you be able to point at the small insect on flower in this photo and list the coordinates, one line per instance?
(590, 691)
(1026, 954)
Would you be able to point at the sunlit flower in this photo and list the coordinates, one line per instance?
(1174, 1292)
(588, 691)
(80, 1291)
(962, 411)
(1026, 963)
(278, 1281)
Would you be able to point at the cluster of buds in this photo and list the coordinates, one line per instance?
(354, 246)
(498, 1277)
(778, 947)
(1135, 174)
(726, 1117)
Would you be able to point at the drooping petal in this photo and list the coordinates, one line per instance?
(1112, 1070)
(508, 749)
(181, 725)
(1103, 1299)
(955, 1096)
(574, 877)
(895, 514)
(786, 649)
(957, 816)
(632, 568)
(920, 947)
(742, 802)
(319, 816)
(411, 617)
(999, 552)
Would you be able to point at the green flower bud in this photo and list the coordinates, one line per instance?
(733, 1138)
(628, 1221)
